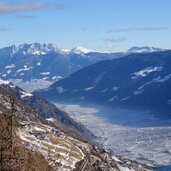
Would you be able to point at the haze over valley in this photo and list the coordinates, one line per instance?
(85, 85)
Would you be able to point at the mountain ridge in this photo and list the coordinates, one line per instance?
(36, 66)
(132, 81)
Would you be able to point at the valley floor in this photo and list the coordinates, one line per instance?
(138, 137)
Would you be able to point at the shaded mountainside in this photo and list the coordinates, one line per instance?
(136, 81)
(30, 143)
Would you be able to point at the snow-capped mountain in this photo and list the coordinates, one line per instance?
(80, 50)
(135, 81)
(144, 49)
(35, 66)
(40, 49)
(30, 49)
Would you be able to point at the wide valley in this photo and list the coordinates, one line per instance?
(135, 135)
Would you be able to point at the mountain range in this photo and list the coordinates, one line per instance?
(139, 81)
(35, 66)
(33, 129)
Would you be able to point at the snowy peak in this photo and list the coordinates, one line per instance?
(144, 49)
(31, 49)
(45, 48)
(38, 49)
(4, 82)
(80, 50)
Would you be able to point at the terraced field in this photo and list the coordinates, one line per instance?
(57, 148)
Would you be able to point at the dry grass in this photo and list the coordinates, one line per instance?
(73, 148)
(29, 138)
(75, 155)
(58, 141)
(50, 147)
(58, 150)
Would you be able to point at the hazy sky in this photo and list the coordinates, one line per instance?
(105, 25)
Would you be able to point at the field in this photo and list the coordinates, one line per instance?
(60, 151)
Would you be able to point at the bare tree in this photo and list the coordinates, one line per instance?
(1, 154)
(11, 116)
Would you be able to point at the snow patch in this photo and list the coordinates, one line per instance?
(10, 66)
(4, 75)
(45, 78)
(24, 94)
(121, 168)
(60, 89)
(4, 82)
(125, 98)
(9, 71)
(115, 88)
(160, 79)
(45, 73)
(56, 78)
(50, 119)
(112, 99)
(116, 159)
(26, 68)
(103, 91)
(169, 102)
(89, 88)
(140, 91)
(146, 71)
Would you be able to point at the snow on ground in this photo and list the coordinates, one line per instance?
(45, 73)
(146, 71)
(10, 66)
(56, 78)
(25, 68)
(50, 119)
(3, 82)
(136, 135)
(162, 79)
(115, 88)
(89, 88)
(24, 94)
(124, 169)
(60, 89)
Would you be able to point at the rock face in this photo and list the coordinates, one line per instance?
(31, 142)
(139, 81)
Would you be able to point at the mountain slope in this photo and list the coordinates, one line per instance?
(135, 81)
(47, 110)
(29, 142)
(34, 66)
(12, 150)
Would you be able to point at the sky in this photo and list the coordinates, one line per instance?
(101, 25)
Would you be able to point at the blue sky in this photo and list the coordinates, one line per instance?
(103, 25)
